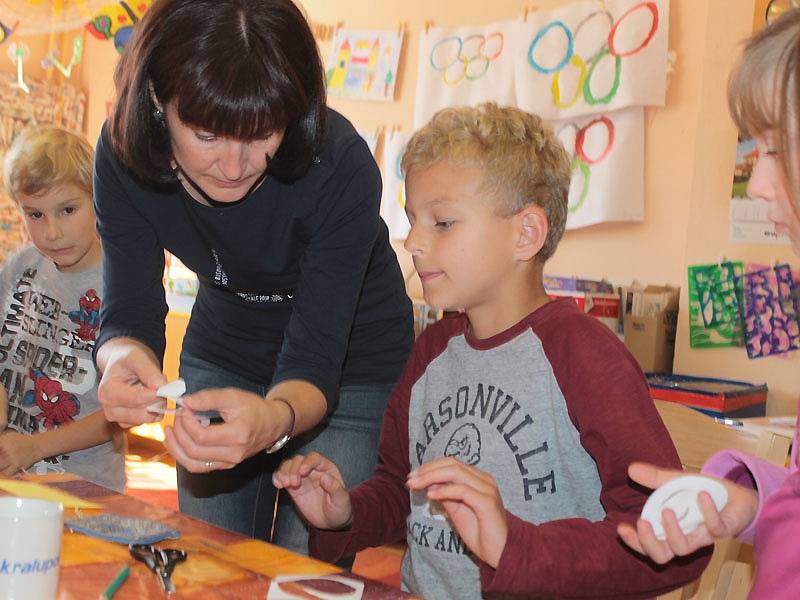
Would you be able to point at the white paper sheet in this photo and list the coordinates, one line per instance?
(371, 137)
(583, 59)
(393, 202)
(607, 166)
(467, 65)
(749, 223)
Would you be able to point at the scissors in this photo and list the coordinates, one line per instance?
(161, 561)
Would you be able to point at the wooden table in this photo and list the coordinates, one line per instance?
(220, 563)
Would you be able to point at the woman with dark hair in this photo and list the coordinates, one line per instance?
(222, 151)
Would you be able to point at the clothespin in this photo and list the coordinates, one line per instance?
(400, 29)
(428, 25)
(528, 10)
(339, 25)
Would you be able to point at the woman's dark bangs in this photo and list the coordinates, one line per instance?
(237, 102)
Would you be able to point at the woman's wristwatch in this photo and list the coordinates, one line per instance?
(287, 435)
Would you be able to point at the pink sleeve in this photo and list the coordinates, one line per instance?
(748, 471)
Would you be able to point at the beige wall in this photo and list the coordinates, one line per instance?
(689, 157)
(690, 149)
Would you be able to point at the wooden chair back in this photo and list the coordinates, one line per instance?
(697, 437)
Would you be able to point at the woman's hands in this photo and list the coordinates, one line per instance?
(131, 376)
(472, 501)
(734, 518)
(317, 488)
(251, 424)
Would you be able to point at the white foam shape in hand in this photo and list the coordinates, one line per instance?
(680, 495)
(173, 389)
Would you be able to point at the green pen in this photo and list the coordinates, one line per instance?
(117, 583)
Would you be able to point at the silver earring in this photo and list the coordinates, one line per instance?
(159, 115)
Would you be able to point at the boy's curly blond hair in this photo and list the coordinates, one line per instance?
(44, 158)
(519, 155)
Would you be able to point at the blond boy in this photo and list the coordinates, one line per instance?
(50, 302)
(506, 441)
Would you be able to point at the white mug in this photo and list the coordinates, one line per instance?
(30, 548)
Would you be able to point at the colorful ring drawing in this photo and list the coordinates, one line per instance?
(578, 62)
(588, 18)
(457, 61)
(587, 174)
(607, 47)
(587, 83)
(580, 140)
(441, 43)
(653, 8)
(564, 61)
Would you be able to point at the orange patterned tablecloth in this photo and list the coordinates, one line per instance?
(220, 563)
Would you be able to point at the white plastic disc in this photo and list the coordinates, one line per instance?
(680, 495)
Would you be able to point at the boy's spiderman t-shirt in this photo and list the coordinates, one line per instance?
(49, 323)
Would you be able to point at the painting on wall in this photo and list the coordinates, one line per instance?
(115, 21)
(465, 65)
(748, 219)
(607, 153)
(363, 64)
(393, 203)
(770, 310)
(589, 57)
(715, 301)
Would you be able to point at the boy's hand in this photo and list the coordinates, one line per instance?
(472, 502)
(317, 488)
(738, 513)
(17, 452)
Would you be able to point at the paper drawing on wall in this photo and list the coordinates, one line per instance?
(770, 311)
(363, 64)
(715, 300)
(393, 203)
(6, 31)
(607, 153)
(748, 217)
(47, 16)
(584, 58)
(115, 21)
(467, 65)
(371, 137)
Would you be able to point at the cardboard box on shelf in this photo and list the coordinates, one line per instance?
(650, 321)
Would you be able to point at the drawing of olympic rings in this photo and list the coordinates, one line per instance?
(468, 59)
(581, 160)
(607, 48)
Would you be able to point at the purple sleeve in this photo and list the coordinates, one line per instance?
(748, 471)
(609, 404)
